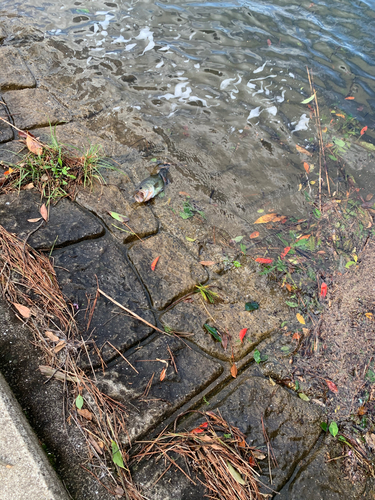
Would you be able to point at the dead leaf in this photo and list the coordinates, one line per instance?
(303, 150)
(306, 166)
(350, 98)
(331, 386)
(362, 410)
(96, 445)
(60, 346)
(154, 262)
(34, 220)
(258, 455)
(207, 263)
(182, 193)
(242, 444)
(267, 218)
(43, 212)
(23, 310)
(255, 234)
(369, 315)
(33, 145)
(289, 287)
(163, 373)
(305, 331)
(52, 336)
(29, 186)
(300, 318)
(234, 371)
(296, 336)
(369, 197)
(85, 414)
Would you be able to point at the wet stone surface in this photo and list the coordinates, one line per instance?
(107, 198)
(147, 407)
(31, 108)
(235, 288)
(6, 132)
(67, 222)
(14, 72)
(77, 268)
(176, 273)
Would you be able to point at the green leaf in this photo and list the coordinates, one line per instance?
(212, 330)
(333, 429)
(236, 475)
(190, 239)
(185, 215)
(243, 248)
(370, 375)
(291, 304)
(79, 401)
(339, 143)
(332, 157)
(285, 348)
(119, 217)
(303, 396)
(154, 160)
(283, 324)
(116, 455)
(317, 213)
(161, 194)
(309, 99)
(237, 239)
(343, 440)
(227, 436)
(350, 263)
(324, 426)
(251, 306)
(296, 385)
(236, 263)
(256, 356)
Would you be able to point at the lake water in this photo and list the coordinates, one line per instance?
(221, 82)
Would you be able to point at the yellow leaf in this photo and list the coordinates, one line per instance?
(303, 150)
(312, 182)
(267, 218)
(369, 315)
(300, 318)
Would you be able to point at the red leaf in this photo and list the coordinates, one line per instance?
(306, 166)
(363, 130)
(296, 336)
(154, 262)
(204, 425)
(263, 261)
(200, 429)
(286, 250)
(350, 98)
(255, 234)
(43, 212)
(331, 386)
(323, 290)
(243, 333)
(269, 41)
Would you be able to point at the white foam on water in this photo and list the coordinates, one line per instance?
(281, 98)
(130, 46)
(254, 112)
(224, 84)
(261, 68)
(120, 39)
(160, 64)
(191, 36)
(272, 110)
(303, 123)
(146, 34)
(197, 66)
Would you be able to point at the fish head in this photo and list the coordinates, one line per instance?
(144, 194)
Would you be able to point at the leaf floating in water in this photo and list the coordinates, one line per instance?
(261, 260)
(350, 98)
(243, 333)
(309, 99)
(306, 166)
(212, 330)
(236, 475)
(251, 306)
(154, 262)
(268, 43)
(363, 131)
(303, 150)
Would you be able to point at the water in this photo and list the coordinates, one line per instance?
(222, 82)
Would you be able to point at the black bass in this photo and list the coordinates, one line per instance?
(151, 186)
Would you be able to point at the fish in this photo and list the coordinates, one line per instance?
(151, 186)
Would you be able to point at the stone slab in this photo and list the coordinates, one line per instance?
(176, 273)
(229, 314)
(14, 73)
(147, 408)
(24, 468)
(108, 198)
(6, 132)
(77, 268)
(32, 108)
(67, 222)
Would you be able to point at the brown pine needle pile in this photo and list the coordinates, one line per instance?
(216, 450)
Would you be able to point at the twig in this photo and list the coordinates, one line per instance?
(123, 357)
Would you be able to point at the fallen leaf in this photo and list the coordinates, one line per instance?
(300, 318)
(224, 341)
(306, 166)
(303, 396)
(234, 371)
(236, 475)
(43, 212)
(59, 346)
(323, 289)
(34, 220)
(253, 235)
(369, 197)
(96, 445)
(269, 42)
(309, 99)
(286, 250)
(79, 401)
(296, 336)
(182, 193)
(363, 131)
(325, 130)
(305, 331)
(23, 310)
(331, 386)
(267, 218)
(261, 260)
(243, 333)
(116, 455)
(341, 116)
(305, 237)
(163, 373)
(33, 145)
(362, 410)
(350, 98)
(251, 306)
(154, 262)
(119, 217)
(29, 186)
(369, 315)
(207, 263)
(289, 287)
(85, 414)
(213, 331)
(258, 455)
(9, 171)
(119, 491)
(52, 336)
(242, 444)
(303, 150)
